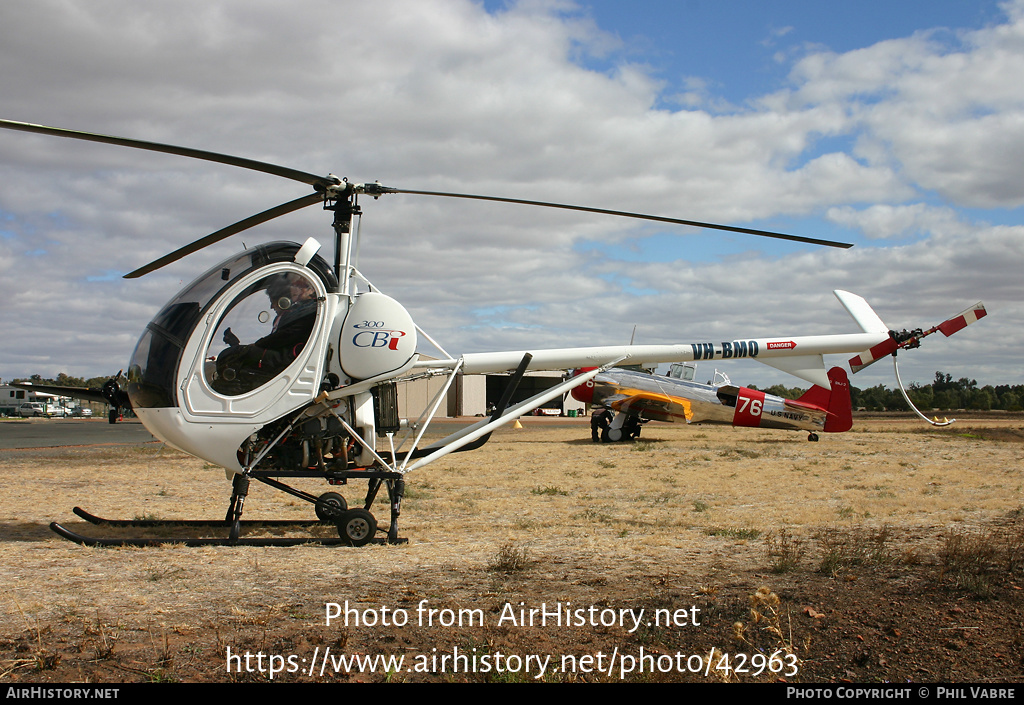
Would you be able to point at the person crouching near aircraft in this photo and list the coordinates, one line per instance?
(600, 419)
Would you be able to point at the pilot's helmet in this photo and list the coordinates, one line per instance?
(279, 291)
(301, 289)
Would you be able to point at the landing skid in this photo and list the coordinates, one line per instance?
(356, 527)
(74, 537)
(194, 523)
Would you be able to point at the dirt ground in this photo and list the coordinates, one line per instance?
(890, 553)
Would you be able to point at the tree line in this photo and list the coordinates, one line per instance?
(943, 394)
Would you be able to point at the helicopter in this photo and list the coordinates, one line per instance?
(276, 364)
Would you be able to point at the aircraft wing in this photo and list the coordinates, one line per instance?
(615, 400)
(87, 393)
(110, 393)
(650, 405)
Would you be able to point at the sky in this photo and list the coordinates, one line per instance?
(898, 127)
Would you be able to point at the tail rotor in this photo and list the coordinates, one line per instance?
(910, 339)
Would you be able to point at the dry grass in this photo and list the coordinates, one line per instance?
(556, 516)
(974, 559)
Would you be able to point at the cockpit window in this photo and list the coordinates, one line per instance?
(262, 331)
(153, 371)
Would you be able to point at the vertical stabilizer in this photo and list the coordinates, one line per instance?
(861, 312)
(836, 400)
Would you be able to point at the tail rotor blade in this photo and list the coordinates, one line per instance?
(908, 340)
(962, 320)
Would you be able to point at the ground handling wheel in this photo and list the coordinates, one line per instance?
(612, 435)
(357, 526)
(330, 506)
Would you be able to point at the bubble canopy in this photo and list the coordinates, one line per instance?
(154, 366)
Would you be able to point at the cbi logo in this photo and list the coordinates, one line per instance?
(372, 334)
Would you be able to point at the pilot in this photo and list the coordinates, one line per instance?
(293, 298)
(279, 292)
(245, 367)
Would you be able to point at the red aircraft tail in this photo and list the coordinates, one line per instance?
(836, 401)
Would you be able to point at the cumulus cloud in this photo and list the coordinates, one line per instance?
(885, 221)
(446, 96)
(944, 108)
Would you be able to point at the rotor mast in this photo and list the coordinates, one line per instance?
(345, 205)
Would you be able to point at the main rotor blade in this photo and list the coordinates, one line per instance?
(640, 216)
(238, 227)
(274, 169)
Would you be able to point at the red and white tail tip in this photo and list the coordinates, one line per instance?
(963, 320)
(886, 347)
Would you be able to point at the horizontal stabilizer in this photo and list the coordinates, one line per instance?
(801, 405)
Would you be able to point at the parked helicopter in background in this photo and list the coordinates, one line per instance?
(276, 364)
